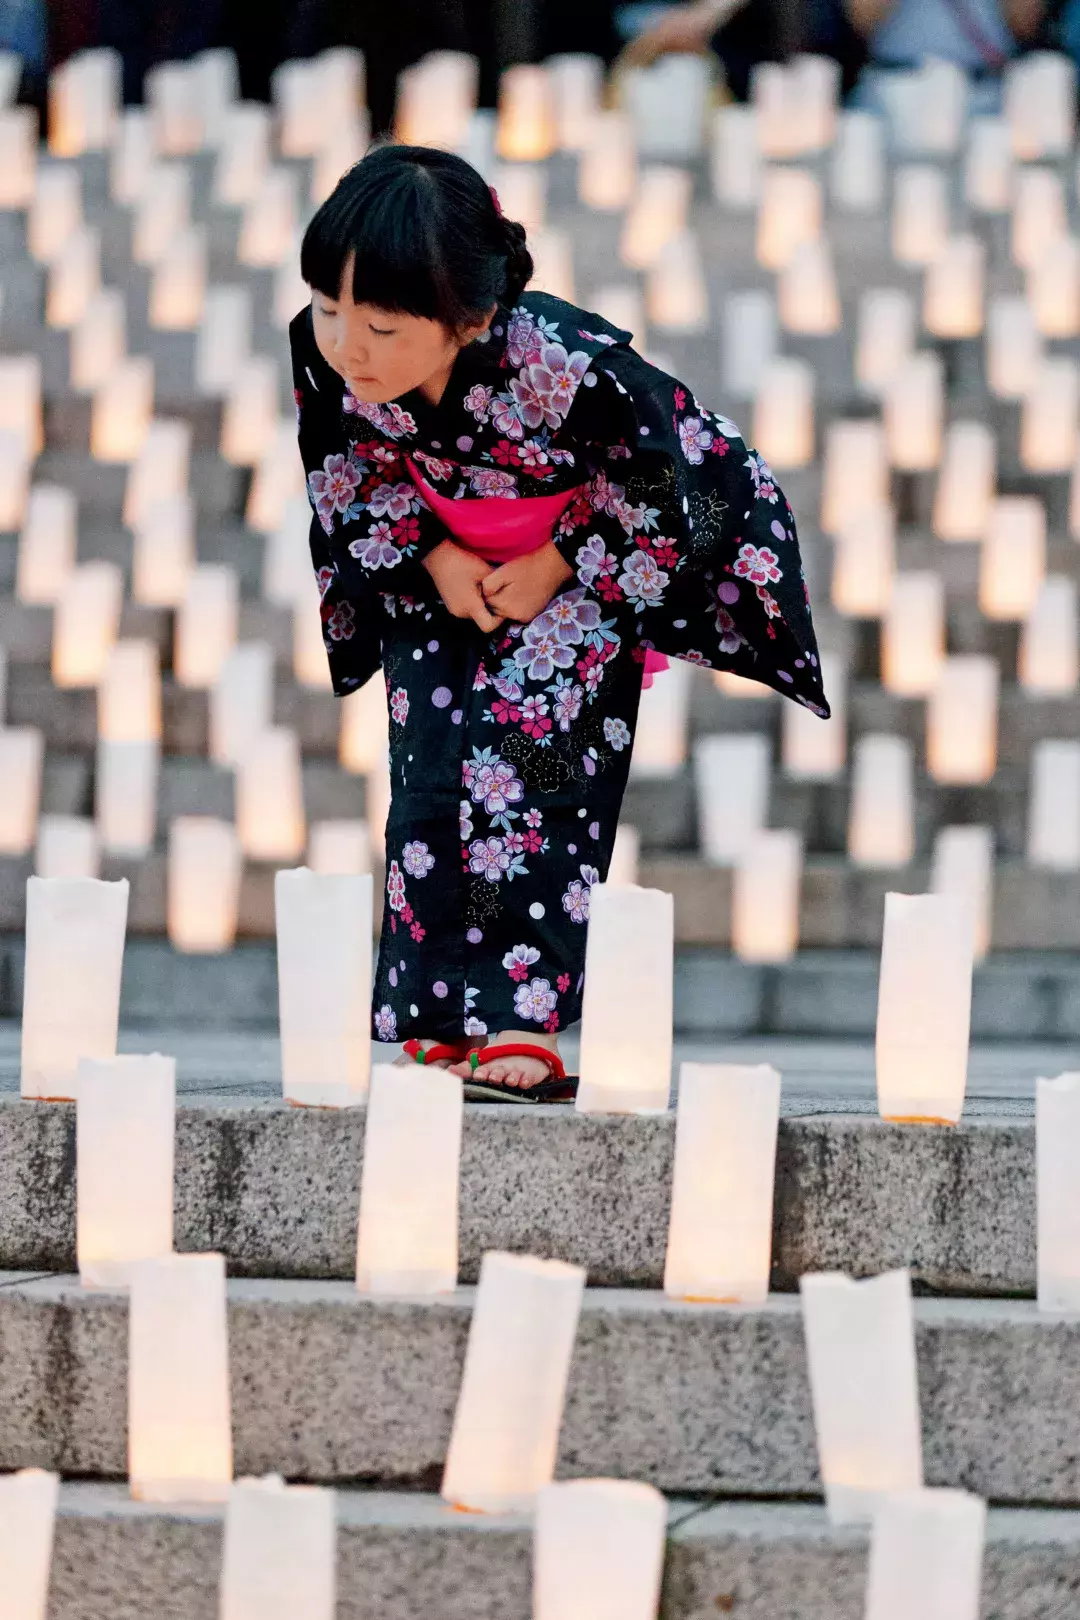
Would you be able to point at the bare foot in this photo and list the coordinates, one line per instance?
(406, 1062)
(518, 1072)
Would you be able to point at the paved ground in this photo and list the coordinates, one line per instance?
(820, 1076)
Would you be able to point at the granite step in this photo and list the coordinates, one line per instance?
(332, 1387)
(276, 1189)
(406, 1556)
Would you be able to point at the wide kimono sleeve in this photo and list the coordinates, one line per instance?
(693, 529)
(351, 611)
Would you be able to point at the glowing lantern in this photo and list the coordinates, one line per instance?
(1049, 659)
(860, 1349)
(1013, 559)
(1053, 289)
(858, 170)
(967, 483)
(179, 1422)
(126, 1116)
(408, 1234)
(84, 99)
(815, 750)
(129, 696)
(241, 701)
(809, 297)
(270, 797)
(735, 158)
(74, 279)
(864, 563)
(749, 340)
(855, 476)
(731, 776)
(270, 220)
(576, 80)
(607, 167)
(204, 869)
(920, 220)
(765, 898)
(339, 848)
(163, 555)
(629, 956)
(913, 634)
(172, 92)
(886, 336)
(364, 728)
(223, 345)
(122, 407)
(598, 1550)
(250, 416)
(324, 928)
(678, 299)
(789, 213)
(22, 759)
(914, 402)
(962, 721)
(509, 1411)
(784, 414)
(1013, 347)
(1057, 1125)
(310, 666)
(881, 824)
(720, 1235)
(955, 288)
(527, 132)
(160, 470)
(1050, 418)
(125, 795)
(20, 402)
(18, 156)
(14, 481)
(67, 847)
(56, 211)
(625, 856)
(924, 1008)
(134, 155)
(27, 1519)
(291, 291)
(926, 1554)
(178, 282)
(377, 801)
(663, 716)
(657, 213)
(988, 168)
(85, 623)
(162, 209)
(436, 98)
(71, 995)
(522, 189)
(206, 625)
(1040, 104)
(964, 869)
(244, 154)
(97, 344)
(668, 103)
(279, 1556)
(1053, 839)
(553, 258)
(279, 476)
(286, 571)
(1040, 217)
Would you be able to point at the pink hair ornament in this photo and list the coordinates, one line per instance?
(495, 199)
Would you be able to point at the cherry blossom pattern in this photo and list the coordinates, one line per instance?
(333, 488)
(395, 887)
(518, 961)
(535, 1001)
(617, 733)
(695, 439)
(643, 580)
(576, 899)
(399, 705)
(758, 564)
(418, 859)
(386, 1023)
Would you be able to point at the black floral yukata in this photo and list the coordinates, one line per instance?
(509, 753)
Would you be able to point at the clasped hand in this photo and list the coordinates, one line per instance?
(472, 589)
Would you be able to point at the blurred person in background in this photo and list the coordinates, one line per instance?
(980, 36)
(743, 33)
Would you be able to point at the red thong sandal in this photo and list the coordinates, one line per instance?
(560, 1088)
(448, 1052)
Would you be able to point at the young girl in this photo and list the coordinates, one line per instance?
(511, 510)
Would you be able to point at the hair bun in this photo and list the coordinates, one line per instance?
(519, 261)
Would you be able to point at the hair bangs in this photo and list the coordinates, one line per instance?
(396, 264)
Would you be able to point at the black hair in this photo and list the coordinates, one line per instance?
(427, 237)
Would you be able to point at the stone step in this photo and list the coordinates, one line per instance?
(330, 1386)
(409, 1557)
(1023, 996)
(276, 1190)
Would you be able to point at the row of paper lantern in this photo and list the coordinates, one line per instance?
(75, 934)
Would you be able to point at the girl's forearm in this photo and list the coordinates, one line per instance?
(1025, 17)
(865, 15)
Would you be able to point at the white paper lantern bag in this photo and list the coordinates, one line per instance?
(324, 947)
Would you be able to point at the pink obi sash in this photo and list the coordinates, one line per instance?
(499, 529)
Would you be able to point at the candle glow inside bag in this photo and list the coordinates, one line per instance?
(924, 1008)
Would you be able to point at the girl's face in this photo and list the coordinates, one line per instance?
(383, 354)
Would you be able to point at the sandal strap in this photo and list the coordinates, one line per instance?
(454, 1051)
(543, 1054)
